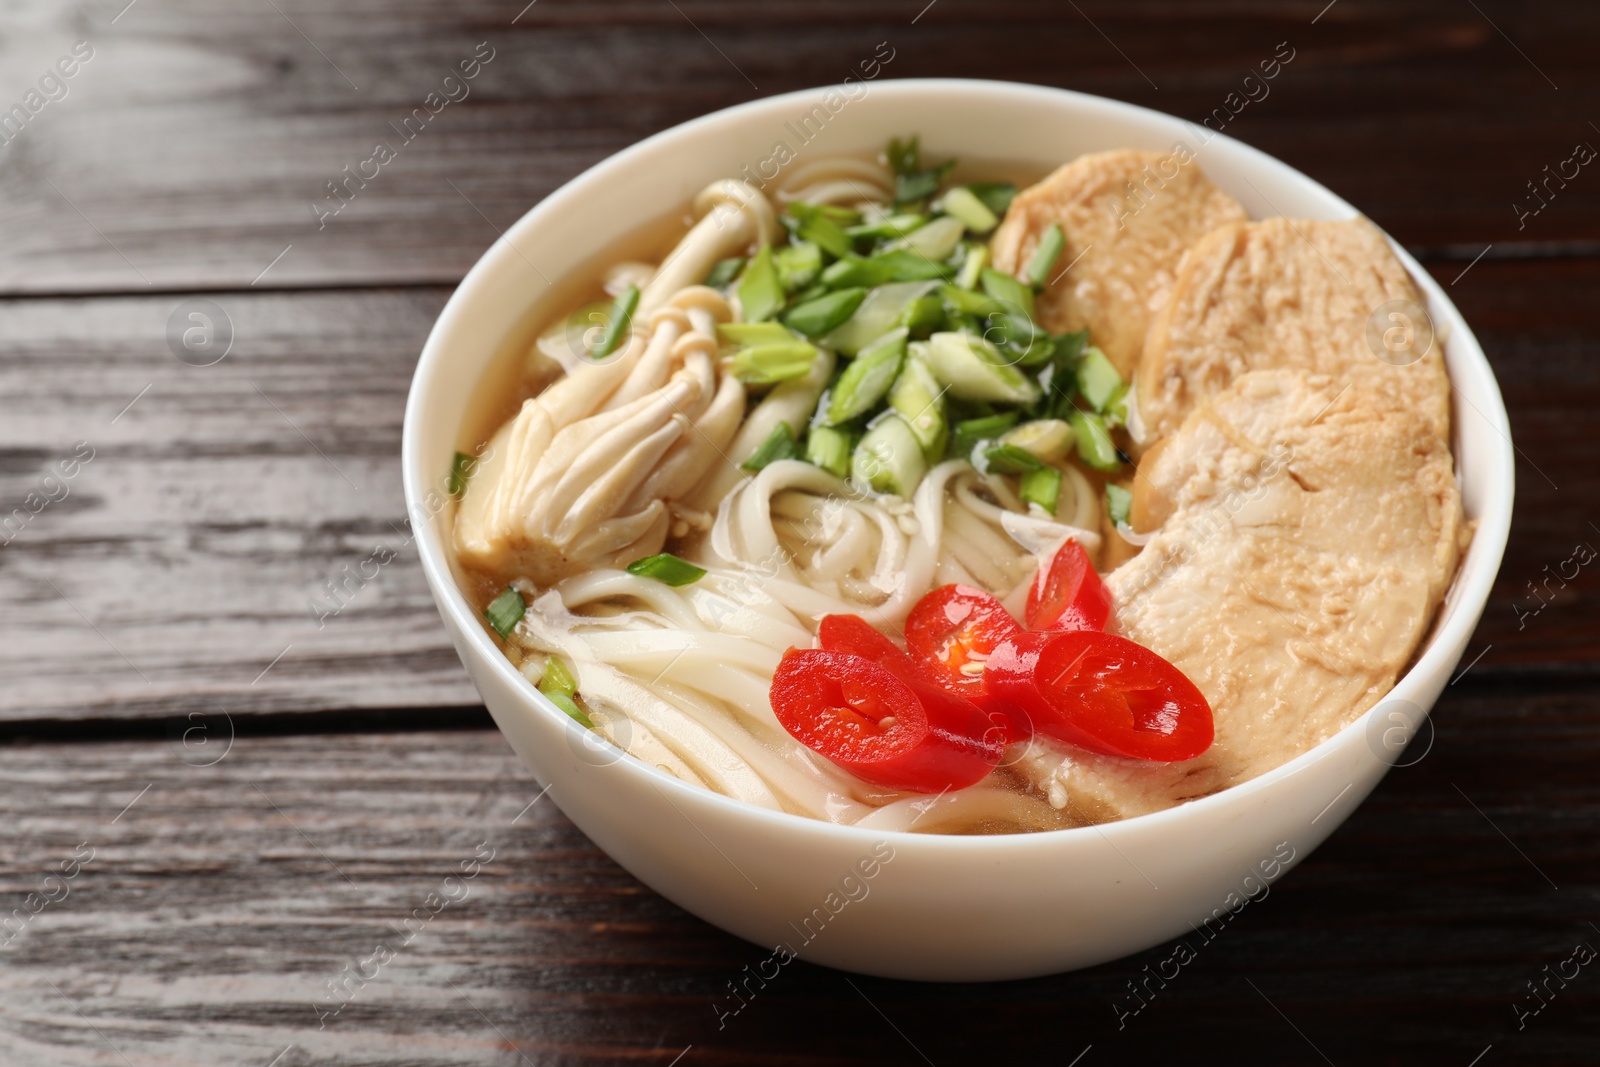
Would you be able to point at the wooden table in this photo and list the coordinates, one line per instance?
(220, 804)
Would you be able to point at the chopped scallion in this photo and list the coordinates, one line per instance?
(908, 266)
(780, 444)
(618, 320)
(984, 428)
(760, 290)
(725, 271)
(1042, 487)
(829, 447)
(855, 270)
(963, 205)
(461, 469)
(1011, 459)
(971, 267)
(867, 379)
(505, 611)
(557, 678)
(1045, 256)
(1095, 446)
(570, 706)
(996, 196)
(768, 364)
(665, 567)
(1007, 290)
(1098, 380)
(1118, 503)
(816, 317)
(821, 230)
(798, 264)
(754, 333)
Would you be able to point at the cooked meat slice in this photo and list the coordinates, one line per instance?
(1284, 293)
(1308, 532)
(1128, 218)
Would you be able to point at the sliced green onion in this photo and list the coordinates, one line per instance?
(889, 458)
(618, 319)
(923, 316)
(665, 567)
(910, 188)
(1118, 503)
(1069, 346)
(996, 196)
(829, 447)
(1021, 339)
(768, 364)
(867, 379)
(919, 400)
(461, 469)
(908, 266)
(971, 302)
(1098, 380)
(1046, 438)
(754, 333)
(816, 317)
(1010, 459)
(905, 157)
(1116, 413)
(780, 444)
(963, 205)
(1095, 446)
(972, 266)
(879, 313)
(505, 611)
(724, 272)
(798, 264)
(1042, 487)
(935, 241)
(557, 678)
(817, 227)
(889, 226)
(1045, 256)
(570, 706)
(1007, 290)
(969, 432)
(974, 370)
(853, 270)
(760, 290)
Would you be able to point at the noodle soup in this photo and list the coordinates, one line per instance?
(809, 507)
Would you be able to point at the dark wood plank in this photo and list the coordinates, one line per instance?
(220, 899)
(194, 547)
(1530, 319)
(190, 150)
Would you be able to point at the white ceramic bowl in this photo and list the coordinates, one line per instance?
(942, 908)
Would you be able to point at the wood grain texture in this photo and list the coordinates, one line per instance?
(218, 905)
(194, 547)
(189, 150)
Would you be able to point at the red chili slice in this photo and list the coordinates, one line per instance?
(853, 634)
(1103, 693)
(951, 710)
(881, 728)
(950, 633)
(1068, 595)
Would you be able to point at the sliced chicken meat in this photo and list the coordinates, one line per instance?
(1128, 218)
(1307, 534)
(1290, 293)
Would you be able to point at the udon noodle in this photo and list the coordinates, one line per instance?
(643, 451)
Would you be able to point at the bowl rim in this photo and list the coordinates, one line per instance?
(1458, 615)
